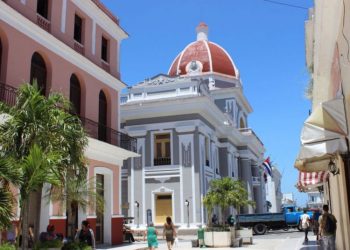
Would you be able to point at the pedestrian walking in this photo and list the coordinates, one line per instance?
(169, 232)
(11, 233)
(86, 235)
(305, 224)
(315, 224)
(328, 228)
(151, 234)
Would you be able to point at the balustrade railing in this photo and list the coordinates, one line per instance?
(93, 129)
(161, 161)
(105, 65)
(8, 94)
(43, 22)
(78, 47)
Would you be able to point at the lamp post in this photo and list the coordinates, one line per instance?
(187, 204)
(137, 204)
(332, 167)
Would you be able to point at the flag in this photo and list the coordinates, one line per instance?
(267, 166)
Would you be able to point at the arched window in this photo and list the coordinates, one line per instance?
(75, 94)
(38, 72)
(102, 117)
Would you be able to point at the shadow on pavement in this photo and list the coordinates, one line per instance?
(282, 232)
(310, 245)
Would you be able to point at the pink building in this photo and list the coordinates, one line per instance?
(72, 46)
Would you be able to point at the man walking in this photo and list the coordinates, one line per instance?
(328, 228)
(305, 224)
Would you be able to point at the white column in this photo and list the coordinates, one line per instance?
(45, 209)
(63, 15)
(93, 37)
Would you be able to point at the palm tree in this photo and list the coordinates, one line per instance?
(46, 143)
(224, 193)
(8, 174)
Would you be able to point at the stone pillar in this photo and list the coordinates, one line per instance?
(246, 177)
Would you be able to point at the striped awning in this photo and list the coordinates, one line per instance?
(310, 180)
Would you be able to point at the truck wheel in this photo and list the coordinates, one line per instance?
(260, 228)
(299, 227)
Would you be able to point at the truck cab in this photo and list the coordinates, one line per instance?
(292, 214)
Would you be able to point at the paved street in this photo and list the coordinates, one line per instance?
(290, 240)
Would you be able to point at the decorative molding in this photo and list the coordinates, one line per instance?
(185, 129)
(91, 216)
(101, 19)
(58, 217)
(117, 216)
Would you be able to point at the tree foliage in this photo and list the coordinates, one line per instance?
(44, 143)
(224, 193)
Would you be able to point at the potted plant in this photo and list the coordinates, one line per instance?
(223, 193)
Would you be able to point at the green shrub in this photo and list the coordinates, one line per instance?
(218, 228)
(76, 246)
(48, 244)
(7, 246)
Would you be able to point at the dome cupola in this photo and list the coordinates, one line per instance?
(203, 56)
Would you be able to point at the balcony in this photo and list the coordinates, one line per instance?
(43, 22)
(105, 65)
(256, 181)
(78, 47)
(109, 135)
(161, 161)
(251, 133)
(8, 94)
(93, 129)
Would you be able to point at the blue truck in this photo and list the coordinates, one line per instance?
(261, 223)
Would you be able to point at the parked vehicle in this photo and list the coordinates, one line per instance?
(288, 218)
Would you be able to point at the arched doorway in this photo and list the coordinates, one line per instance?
(38, 72)
(75, 95)
(102, 117)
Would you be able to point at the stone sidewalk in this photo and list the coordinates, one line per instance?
(258, 244)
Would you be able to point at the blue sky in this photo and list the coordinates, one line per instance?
(266, 42)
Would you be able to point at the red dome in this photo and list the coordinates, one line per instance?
(203, 56)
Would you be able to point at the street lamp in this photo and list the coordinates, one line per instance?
(187, 204)
(332, 167)
(137, 204)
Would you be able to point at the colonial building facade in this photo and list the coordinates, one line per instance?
(273, 190)
(72, 47)
(191, 127)
(324, 151)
